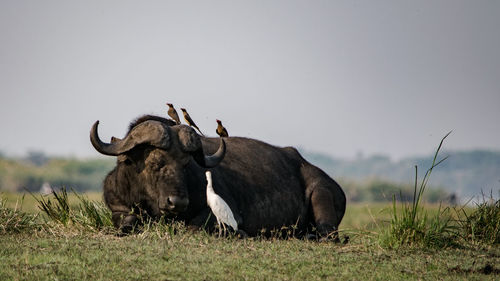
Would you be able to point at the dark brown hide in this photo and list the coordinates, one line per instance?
(265, 186)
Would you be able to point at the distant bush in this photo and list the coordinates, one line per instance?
(29, 182)
(37, 158)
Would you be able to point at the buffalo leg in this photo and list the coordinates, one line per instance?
(325, 216)
(124, 221)
(129, 223)
(327, 201)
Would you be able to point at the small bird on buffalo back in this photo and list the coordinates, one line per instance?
(219, 207)
(221, 131)
(190, 121)
(173, 113)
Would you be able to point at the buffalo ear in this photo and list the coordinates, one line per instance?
(121, 158)
(189, 139)
(190, 142)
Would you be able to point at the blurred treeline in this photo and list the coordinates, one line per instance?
(376, 190)
(33, 171)
(30, 173)
(465, 173)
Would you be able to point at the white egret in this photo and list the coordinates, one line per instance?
(219, 207)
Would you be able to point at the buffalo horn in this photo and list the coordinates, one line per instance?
(210, 161)
(149, 132)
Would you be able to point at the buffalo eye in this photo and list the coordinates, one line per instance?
(157, 165)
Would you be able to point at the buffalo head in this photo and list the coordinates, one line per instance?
(152, 158)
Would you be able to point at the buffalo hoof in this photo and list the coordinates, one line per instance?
(329, 239)
(120, 233)
(128, 225)
(311, 236)
(193, 228)
(241, 234)
(333, 237)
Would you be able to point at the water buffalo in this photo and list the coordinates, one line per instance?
(160, 171)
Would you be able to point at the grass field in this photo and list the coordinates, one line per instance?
(57, 252)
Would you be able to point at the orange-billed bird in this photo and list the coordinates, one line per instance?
(173, 113)
(190, 121)
(221, 131)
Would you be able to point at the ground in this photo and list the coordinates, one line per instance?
(175, 253)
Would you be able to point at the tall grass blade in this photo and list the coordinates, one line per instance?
(410, 224)
(92, 214)
(57, 210)
(86, 213)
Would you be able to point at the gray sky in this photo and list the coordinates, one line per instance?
(339, 77)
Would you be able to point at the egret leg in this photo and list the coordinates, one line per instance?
(225, 229)
(218, 224)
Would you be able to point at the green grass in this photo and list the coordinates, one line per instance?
(15, 220)
(87, 213)
(154, 255)
(172, 252)
(482, 225)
